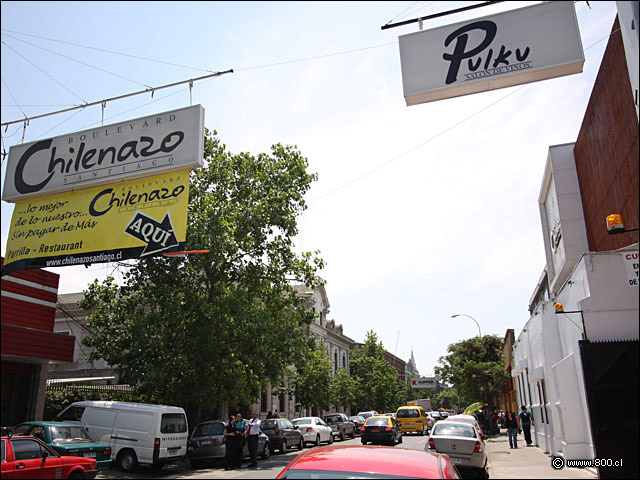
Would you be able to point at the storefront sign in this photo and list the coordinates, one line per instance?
(423, 382)
(510, 48)
(143, 147)
(102, 224)
(631, 262)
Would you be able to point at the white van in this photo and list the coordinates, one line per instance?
(137, 432)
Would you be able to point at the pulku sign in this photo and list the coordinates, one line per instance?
(142, 147)
(519, 46)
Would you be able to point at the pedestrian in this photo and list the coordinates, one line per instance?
(241, 426)
(511, 422)
(230, 444)
(501, 419)
(276, 414)
(526, 419)
(269, 414)
(253, 431)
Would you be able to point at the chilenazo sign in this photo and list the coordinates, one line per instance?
(510, 48)
(147, 146)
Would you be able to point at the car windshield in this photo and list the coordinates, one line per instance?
(302, 421)
(408, 413)
(173, 423)
(209, 429)
(268, 424)
(377, 421)
(20, 429)
(454, 430)
(69, 434)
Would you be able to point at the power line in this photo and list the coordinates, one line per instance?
(14, 98)
(400, 15)
(29, 61)
(109, 51)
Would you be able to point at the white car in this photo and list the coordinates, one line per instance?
(462, 443)
(314, 430)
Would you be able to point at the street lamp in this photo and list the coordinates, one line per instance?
(465, 315)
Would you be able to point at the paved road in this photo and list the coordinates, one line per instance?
(269, 468)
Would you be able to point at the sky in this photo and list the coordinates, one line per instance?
(420, 212)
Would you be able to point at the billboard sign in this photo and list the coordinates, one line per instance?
(126, 220)
(501, 50)
(143, 147)
(423, 382)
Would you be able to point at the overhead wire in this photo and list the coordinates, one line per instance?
(51, 77)
(79, 61)
(10, 93)
(400, 14)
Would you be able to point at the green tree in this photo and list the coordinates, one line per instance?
(311, 380)
(343, 392)
(193, 331)
(377, 384)
(475, 368)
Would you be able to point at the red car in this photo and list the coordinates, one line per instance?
(353, 461)
(29, 457)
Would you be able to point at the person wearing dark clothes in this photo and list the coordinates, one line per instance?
(526, 420)
(253, 431)
(511, 422)
(230, 444)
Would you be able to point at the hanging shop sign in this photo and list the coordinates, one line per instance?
(423, 382)
(142, 147)
(510, 48)
(632, 264)
(133, 219)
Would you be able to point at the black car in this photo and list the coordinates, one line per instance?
(381, 430)
(282, 434)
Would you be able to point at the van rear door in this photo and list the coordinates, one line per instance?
(174, 432)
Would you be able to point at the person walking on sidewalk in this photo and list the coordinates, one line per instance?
(526, 419)
(230, 444)
(511, 422)
(253, 431)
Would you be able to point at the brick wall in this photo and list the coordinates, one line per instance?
(606, 152)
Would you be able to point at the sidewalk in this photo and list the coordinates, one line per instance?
(525, 462)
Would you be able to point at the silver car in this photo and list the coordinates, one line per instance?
(207, 444)
(462, 443)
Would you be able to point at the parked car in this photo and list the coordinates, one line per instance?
(354, 461)
(67, 439)
(358, 421)
(462, 443)
(340, 425)
(436, 416)
(381, 429)
(470, 419)
(314, 430)
(137, 432)
(430, 420)
(207, 444)
(390, 414)
(282, 434)
(368, 414)
(444, 414)
(412, 419)
(30, 457)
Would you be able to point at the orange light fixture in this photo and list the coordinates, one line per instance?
(614, 223)
(559, 307)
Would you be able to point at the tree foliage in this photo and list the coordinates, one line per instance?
(343, 391)
(192, 331)
(311, 381)
(377, 384)
(475, 368)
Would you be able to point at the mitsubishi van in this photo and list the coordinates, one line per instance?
(139, 433)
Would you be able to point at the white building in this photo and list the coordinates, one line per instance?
(601, 304)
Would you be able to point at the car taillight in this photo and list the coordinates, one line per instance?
(156, 444)
(107, 452)
(478, 448)
(388, 428)
(432, 446)
(362, 429)
(189, 443)
(309, 429)
(277, 431)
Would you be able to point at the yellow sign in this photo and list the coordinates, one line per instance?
(103, 224)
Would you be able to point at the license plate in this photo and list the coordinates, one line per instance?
(202, 442)
(90, 454)
(458, 460)
(173, 451)
(375, 429)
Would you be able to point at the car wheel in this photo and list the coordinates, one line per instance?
(353, 434)
(330, 439)
(76, 474)
(317, 444)
(301, 444)
(266, 452)
(127, 460)
(283, 447)
(342, 436)
(363, 441)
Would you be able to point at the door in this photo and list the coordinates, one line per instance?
(325, 430)
(29, 461)
(290, 433)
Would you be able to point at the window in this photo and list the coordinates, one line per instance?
(26, 449)
(39, 433)
(173, 423)
(67, 434)
(209, 429)
(268, 424)
(451, 430)
(21, 429)
(302, 421)
(71, 413)
(408, 413)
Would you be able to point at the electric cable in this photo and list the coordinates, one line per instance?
(36, 66)
(14, 98)
(400, 14)
(418, 9)
(63, 121)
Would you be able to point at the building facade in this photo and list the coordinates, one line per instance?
(593, 275)
(29, 343)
